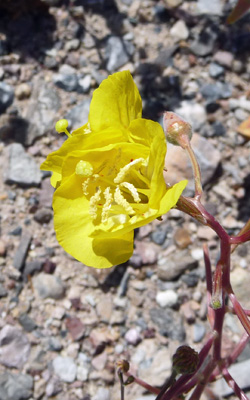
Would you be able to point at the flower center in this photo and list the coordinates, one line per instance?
(113, 194)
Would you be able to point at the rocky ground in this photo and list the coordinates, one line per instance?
(63, 325)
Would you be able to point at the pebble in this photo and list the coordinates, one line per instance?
(21, 168)
(210, 7)
(132, 336)
(42, 111)
(175, 265)
(203, 44)
(179, 30)
(78, 115)
(170, 323)
(75, 327)
(216, 70)
(84, 84)
(14, 347)
(167, 298)
(99, 361)
(23, 91)
(102, 394)
(43, 215)
(158, 236)
(22, 250)
(82, 373)
(47, 285)
(6, 96)
(53, 387)
(199, 331)
(3, 291)
(65, 368)
(66, 79)
(15, 386)
(104, 309)
(224, 58)
(182, 238)
(27, 323)
(194, 113)
(118, 53)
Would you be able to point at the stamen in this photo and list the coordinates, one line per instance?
(85, 186)
(87, 129)
(61, 126)
(93, 202)
(121, 201)
(84, 169)
(132, 190)
(124, 170)
(106, 207)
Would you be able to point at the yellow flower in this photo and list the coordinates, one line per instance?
(109, 176)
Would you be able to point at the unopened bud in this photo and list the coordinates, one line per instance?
(177, 130)
(123, 365)
(185, 360)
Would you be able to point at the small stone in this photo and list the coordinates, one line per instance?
(53, 387)
(182, 238)
(32, 266)
(147, 251)
(167, 298)
(203, 44)
(104, 309)
(15, 386)
(84, 84)
(132, 336)
(47, 285)
(193, 113)
(65, 368)
(6, 96)
(99, 361)
(158, 236)
(55, 344)
(72, 44)
(22, 168)
(27, 323)
(118, 53)
(22, 250)
(170, 324)
(82, 373)
(3, 291)
(78, 115)
(224, 58)
(66, 79)
(75, 328)
(43, 215)
(191, 279)
(175, 265)
(188, 312)
(179, 30)
(46, 193)
(216, 70)
(210, 7)
(23, 91)
(102, 394)
(14, 347)
(199, 331)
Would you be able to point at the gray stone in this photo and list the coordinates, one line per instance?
(240, 372)
(15, 386)
(22, 168)
(14, 347)
(32, 266)
(3, 291)
(53, 387)
(43, 215)
(22, 250)
(42, 111)
(215, 91)
(210, 7)
(158, 236)
(102, 394)
(27, 323)
(65, 368)
(176, 263)
(118, 53)
(66, 82)
(6, 96)
(78, 115)
(84, 84)
(216, 70)
(199, 331)
(203, 44)
(54, 344)
(48, 286)
(170, 323)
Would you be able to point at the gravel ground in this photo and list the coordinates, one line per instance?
(63, 326)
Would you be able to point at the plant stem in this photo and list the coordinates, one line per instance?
(196, 171)
(144, 384)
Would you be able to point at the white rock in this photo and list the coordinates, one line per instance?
(179, 30)
(65, 368)
(167, 298)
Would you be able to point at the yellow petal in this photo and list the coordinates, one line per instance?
(73, 227)
(115, 103)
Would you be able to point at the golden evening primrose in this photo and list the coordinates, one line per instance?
(108, 176)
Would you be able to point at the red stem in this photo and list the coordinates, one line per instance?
(231, 382)
(239, 311)
(240, 239)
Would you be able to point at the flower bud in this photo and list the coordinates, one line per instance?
(177, 130)
(185, 360)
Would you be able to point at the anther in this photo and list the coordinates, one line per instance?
(106, 207)
(124, 170)
(132, 190)
(93, 202)
(61, 126)
(121, 201)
